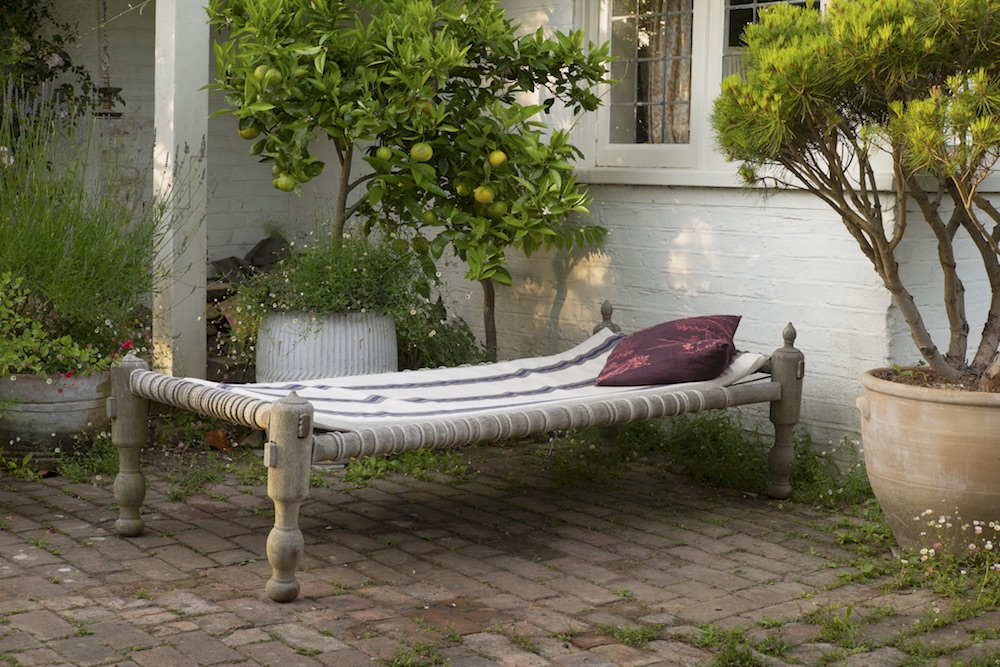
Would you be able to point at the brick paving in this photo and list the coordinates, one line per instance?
(506, 569)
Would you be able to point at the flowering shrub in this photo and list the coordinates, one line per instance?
(355, 274)
(38, 49)
(963, 560)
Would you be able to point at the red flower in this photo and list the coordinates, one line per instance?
(127, 345)
(69, 374)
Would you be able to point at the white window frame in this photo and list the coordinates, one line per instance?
(697, 163)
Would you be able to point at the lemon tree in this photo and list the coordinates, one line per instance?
(429, 95)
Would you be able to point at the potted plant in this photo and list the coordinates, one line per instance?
(436, 97)
(345, 305)
(78, 248)
(889, 111)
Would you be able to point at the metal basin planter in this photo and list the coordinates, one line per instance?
(294, 347)
(41, 415)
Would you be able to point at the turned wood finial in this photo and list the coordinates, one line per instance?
(606, 323)
(789, 335)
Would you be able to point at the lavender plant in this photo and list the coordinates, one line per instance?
(79, 239)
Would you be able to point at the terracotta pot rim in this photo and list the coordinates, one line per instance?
(927, 394)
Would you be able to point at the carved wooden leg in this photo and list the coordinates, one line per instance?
(129, 427)
(788, 368)
(288, 457)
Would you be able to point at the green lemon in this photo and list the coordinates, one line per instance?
(251, 132)
(484, 194)
(421, 152)
(496, 209)
(497, 158)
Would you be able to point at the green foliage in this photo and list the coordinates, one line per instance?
(581, 456)
(28, 345)
(356, 274)
(427, 338)
(420, 653)
(336, 275)
(434, 92)
(20, 469)
(421, 464)
(970, 577)
(78, 241)
(913, 82)
(713, 447)
(636, 636)
(95, 459)
(833, 477)
(36, 51)
(731, 644)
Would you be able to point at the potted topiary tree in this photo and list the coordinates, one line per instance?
(889, 111)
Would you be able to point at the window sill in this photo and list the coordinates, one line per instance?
(662, 177)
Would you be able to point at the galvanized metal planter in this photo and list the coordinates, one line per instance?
(40, 415)
(294, 347)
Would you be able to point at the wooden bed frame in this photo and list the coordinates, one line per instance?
(292, 447)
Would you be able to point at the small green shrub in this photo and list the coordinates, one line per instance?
(714, 448)
(79, 240)
(420, 464)
(90, 460)
(356, 273)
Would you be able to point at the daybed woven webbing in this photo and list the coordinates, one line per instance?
(366, 402)
(394, 412)
(499, 425)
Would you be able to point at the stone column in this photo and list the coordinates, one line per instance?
(180, 164)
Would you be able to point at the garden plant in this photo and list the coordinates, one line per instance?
(888, 111)
(37, 52)
(79, 239)
(434, 98)
(353, 273)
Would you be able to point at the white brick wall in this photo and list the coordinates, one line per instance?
(677, 252)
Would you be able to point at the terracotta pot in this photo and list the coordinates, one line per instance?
(291, 347)
(932, 453)
(42, 414)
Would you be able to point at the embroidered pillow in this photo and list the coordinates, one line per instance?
(688, 350)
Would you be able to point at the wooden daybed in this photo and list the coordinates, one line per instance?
(354, 417)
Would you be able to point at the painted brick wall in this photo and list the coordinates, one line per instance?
(677, 252)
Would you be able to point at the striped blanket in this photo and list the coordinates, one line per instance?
(386, 399)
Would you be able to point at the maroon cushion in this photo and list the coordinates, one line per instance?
(688, 350)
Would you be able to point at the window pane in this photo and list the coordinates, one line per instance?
(652, 41)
